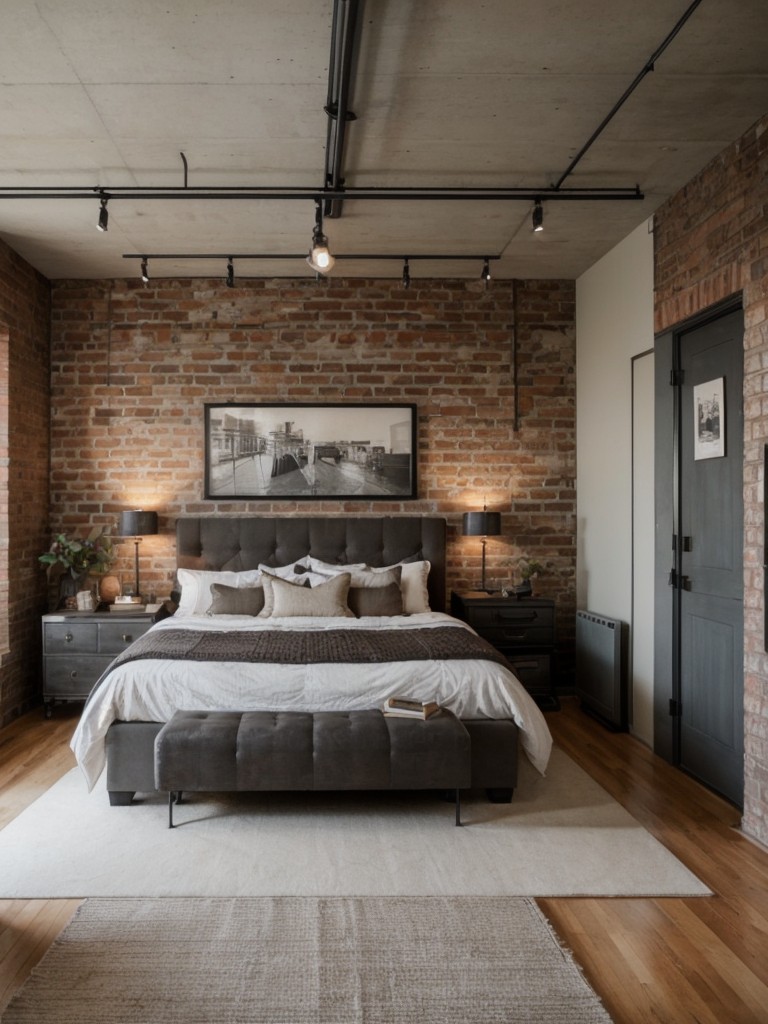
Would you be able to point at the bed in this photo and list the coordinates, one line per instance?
(265, 622)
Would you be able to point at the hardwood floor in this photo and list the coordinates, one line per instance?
(702, 960)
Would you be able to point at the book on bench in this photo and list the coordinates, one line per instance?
(404, 707)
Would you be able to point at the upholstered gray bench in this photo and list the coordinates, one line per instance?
(231, 751)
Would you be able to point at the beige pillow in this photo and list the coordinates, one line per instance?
(287, 600)
(364, 576)
(413, 584)
(367, 578)
(236, 600)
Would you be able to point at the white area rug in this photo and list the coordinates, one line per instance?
(562, 835)
(438, 960)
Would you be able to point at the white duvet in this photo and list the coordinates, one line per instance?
(151, 690)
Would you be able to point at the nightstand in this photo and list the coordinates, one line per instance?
(78, 646)
(523, 630)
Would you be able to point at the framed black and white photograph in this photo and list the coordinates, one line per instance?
(310, 451)
(709, 419)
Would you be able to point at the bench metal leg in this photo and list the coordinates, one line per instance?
(174, 797)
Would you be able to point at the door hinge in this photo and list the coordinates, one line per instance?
(676, 378)
(683, 582)
(675, 708)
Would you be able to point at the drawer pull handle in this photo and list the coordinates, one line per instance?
(73, 674)
(514, 636)
(512, 617)
(127, 638)
(68, 638)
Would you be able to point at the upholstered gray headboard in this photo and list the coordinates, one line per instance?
(242, 542)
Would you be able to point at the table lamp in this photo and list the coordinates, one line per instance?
(137, 524)
(482, 524)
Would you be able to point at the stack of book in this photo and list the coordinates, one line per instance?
(126, 608)
(404, 707)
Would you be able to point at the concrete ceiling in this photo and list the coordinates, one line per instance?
(447, 93)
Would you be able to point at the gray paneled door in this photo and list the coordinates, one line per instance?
(709, 556)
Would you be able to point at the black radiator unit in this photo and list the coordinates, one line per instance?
(601, 668)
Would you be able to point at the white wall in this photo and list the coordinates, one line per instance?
(614, 323)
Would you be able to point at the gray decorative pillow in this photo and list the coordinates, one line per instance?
(386, 600)
(287, 600)
(236, 600)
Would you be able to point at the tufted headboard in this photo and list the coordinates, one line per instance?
(242, 542)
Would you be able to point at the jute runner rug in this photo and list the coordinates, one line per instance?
(307, 960)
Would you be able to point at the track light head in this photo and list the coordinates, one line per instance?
(230, 273)
(103, 216)
(320, 258)
(144, 270)
(406, 274)
(485, 275)
(537, 218)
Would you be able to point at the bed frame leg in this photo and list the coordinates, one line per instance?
(458, 807)
(120, 798)
(500, 795)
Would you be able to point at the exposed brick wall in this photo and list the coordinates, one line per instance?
(711, 242)
(24, 389)
(132, 366)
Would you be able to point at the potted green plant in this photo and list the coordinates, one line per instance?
(527, 570)
(70, 560)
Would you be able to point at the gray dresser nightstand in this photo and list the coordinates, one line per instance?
(523, 629)
(78, 646)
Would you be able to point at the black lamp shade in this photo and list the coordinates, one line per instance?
(481, 524)
(138, 523)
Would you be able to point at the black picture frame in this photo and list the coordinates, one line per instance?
(310, 451)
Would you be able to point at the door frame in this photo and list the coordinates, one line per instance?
(668, 469)
(641, 622)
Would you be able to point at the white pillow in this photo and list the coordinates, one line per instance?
(283, 599)
(413, 584)
(289, 572)
(331, 568)
(196, 596)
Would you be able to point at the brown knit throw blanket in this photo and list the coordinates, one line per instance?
(304, 647)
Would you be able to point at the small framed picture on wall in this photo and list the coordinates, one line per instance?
(709, 419)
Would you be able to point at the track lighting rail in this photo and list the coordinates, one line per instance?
(238, 192)
(469, 257)
(145, 258)
(646, 69)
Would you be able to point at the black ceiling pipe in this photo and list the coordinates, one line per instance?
(343, 41)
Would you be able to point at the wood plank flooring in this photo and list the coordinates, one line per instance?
(702, 960)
